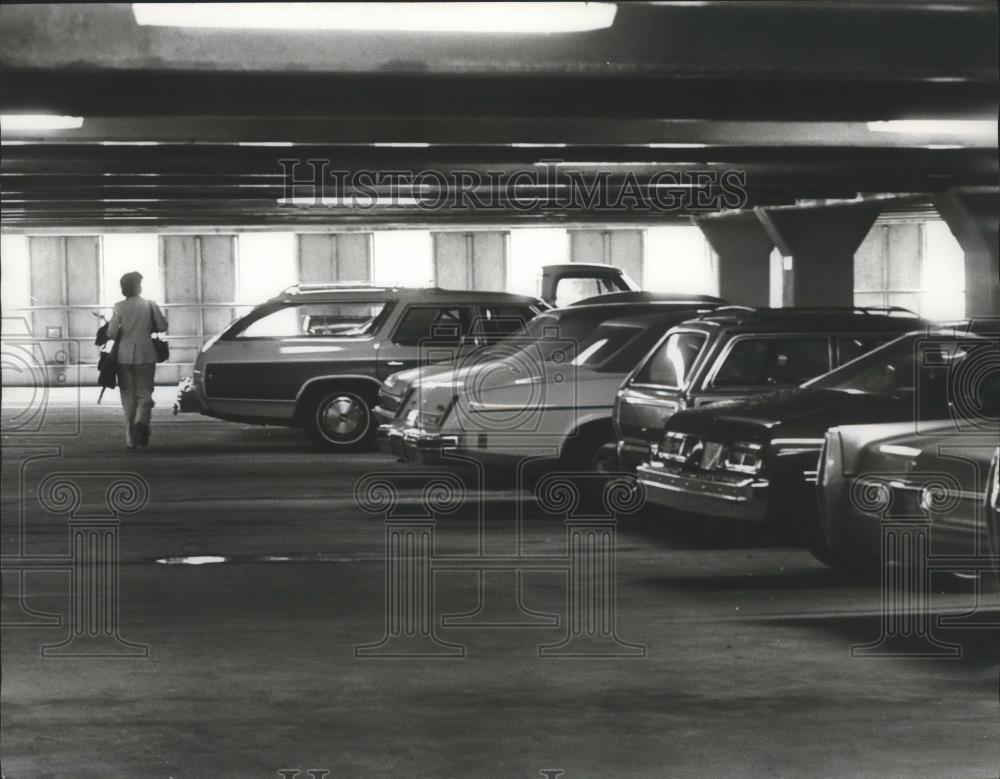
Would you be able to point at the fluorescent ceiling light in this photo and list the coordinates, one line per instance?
(265, 143)
(401, 145)
(39, 122)
(383, 17)
(936, 127)
(356, 201)
(677, 145)
(538, 145)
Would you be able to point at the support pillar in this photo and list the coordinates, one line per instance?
(973, 218)
(821, 241)
(744, 250)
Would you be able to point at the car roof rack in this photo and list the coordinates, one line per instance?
(734, 311)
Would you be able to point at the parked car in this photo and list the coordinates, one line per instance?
(684, 299)
(993, 512)
(756, 459)
(735, 352)
(396, 387)
(549, 397)
(565, 283)
(869, 474)
(315, 355)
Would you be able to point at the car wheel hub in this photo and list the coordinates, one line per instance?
(342, 417)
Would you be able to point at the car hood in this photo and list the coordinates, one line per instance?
(557, 387)
(794, 413)
(399, 383)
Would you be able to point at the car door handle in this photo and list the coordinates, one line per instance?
(394, 362)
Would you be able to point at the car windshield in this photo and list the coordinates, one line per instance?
(670, 365)
(940, 371)
(610, 348)
(549, 335)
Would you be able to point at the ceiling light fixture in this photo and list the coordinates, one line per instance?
(459, 17)
(39, 122)
(357, 201)
(401, 145)
(983, 127)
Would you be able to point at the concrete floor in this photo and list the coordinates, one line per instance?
(251, 668)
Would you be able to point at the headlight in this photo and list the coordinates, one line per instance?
(742, 457)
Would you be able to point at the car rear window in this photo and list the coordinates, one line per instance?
(670, 365)
(340, 320)
(773, 362)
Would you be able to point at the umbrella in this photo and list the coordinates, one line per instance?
(107, 362)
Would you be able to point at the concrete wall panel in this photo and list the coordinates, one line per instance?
(218, 269)
(354, 257)
(626, 252)
(179, 257)
(587, 246)
(489, 261)
(317, 257)
(47, 261)
(451, 262)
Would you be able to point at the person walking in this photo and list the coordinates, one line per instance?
(132, 325)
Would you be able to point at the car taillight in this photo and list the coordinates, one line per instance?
(675, 447)
(742, 458)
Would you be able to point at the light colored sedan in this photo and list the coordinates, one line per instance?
(550, 397)
(937, 476)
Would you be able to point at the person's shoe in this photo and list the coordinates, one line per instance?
(141, 435)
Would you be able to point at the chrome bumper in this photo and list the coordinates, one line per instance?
(631, 455)
(744, 499)
(413, 444)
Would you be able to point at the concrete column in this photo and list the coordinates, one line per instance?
(973, 218)
(744, 249)
(821, 241)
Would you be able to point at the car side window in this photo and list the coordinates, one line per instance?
(494, 323)
(759, 362)
(444, 325)
(339, 320)
(850, 347)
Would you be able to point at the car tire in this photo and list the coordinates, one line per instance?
(339, 420)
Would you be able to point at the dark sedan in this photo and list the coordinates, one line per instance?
(756, 459)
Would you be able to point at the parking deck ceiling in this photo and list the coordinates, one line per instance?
(780, 91)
